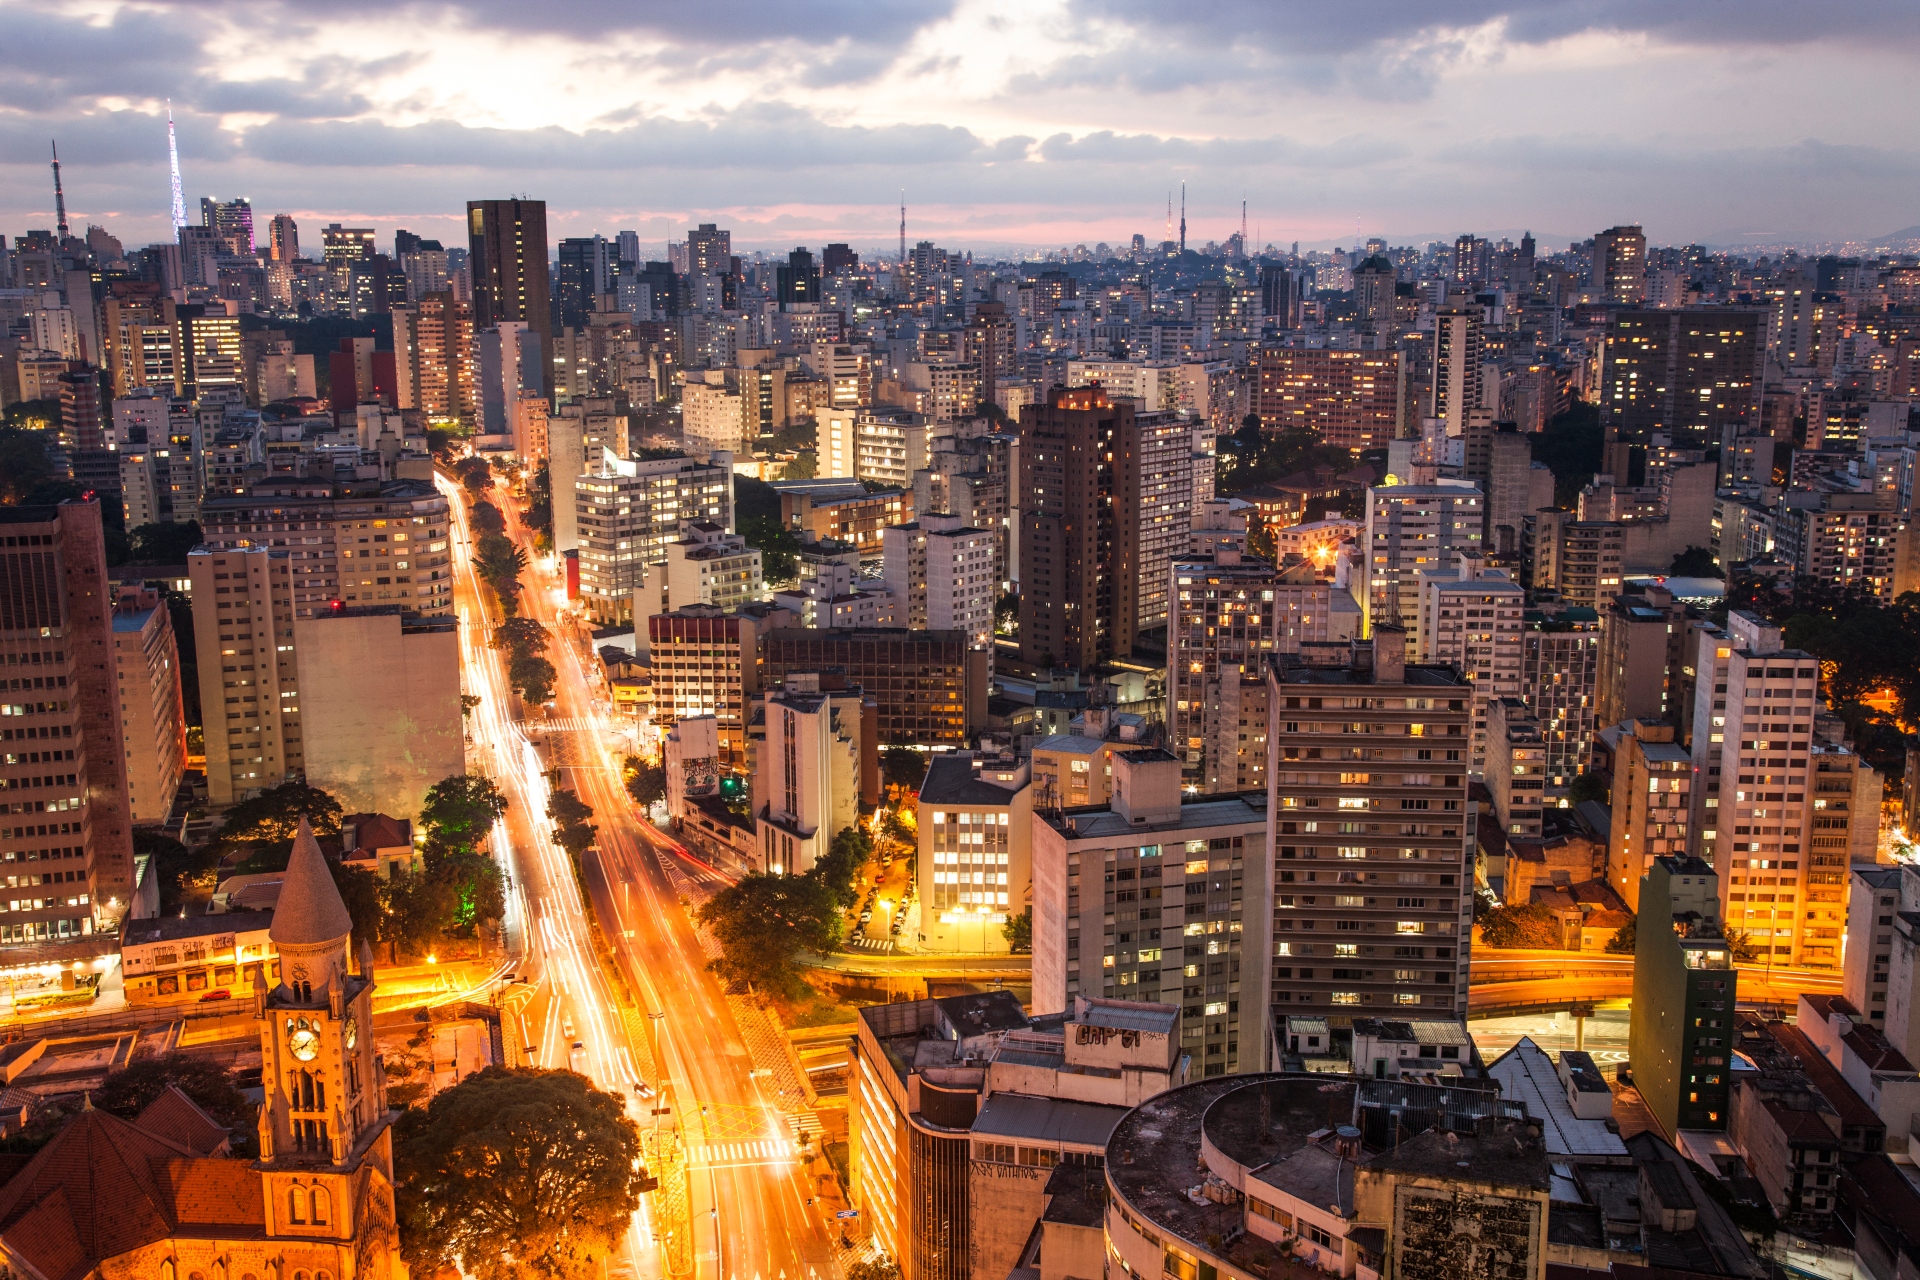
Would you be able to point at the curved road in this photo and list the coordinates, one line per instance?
(749, 1214)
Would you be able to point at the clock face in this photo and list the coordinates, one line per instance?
(353, 1033)
(304, 1044)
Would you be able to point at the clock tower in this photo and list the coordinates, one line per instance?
(324, 1124)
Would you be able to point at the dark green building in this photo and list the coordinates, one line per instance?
(1683, 993)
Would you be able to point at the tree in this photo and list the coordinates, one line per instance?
(1588, 786)
(24, 464)
(1526, 924)
(499, 561)
(272, 817)
(1260, 541)
(533, 677)
(486, 518)
(520, 635)
(903, 767)
(360, 891)
(839, 871)
(1740, 942)
(1006, 614)
(519, 1173)
(128, 1091)
(474, 475)
(460, 811)
(646, 781)
(763, 922)
(573, 819)
(1624, 938)
(539, 512)
(880, 1268)
(164, 543)
(1695, 562)
(1571, 448)
(1018, 931)
(179, 868)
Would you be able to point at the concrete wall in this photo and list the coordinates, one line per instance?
(379, 708)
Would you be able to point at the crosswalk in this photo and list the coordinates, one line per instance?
(563, 724)
(805, 1124)
(882, 945)
(724, 1153)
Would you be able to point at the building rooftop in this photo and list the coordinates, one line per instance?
(953, 780)
(176, 928)
(1091, 823)
(1126, 1015)
(1076, 1195)
(1016, 1115)
(1527, 1075)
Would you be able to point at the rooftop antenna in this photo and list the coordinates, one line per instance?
(173, 159)
(59, 196)
(1183, 215)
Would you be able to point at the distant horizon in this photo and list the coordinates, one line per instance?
(1008, 129)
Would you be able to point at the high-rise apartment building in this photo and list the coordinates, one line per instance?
(1470, 619)
(1230, 613)
(1410, 529)
(243, 612)
(1153, 897)
(975, 823)
(929, 687)
(66, 823)
(1458, 350)
(709, 251)
(1107, 498)
(707, 663)
(1684, 989)
(1516, 767)
(1874, 901)
(232, 222)
(283, 238)
(1692, 374)
(1652, 802)
(814, 750)
(1372, 831)
(628, 511)
(206, 350)
(146, 663)
(940, 571)
(341, 247)
(1583, 560)
(434, 354)
(1620, 265)
(1848, 539)
(1353, 399)
(363, 543)
(587, 266)
(1643, 635)
(579, 438)
(507, 253)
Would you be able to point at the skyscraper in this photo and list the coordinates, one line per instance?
(1456, 367)
(1620, 265)
(799, 280)
(709, 251)
(232, 221)
(283, 238)
(507, 242)
(586, 269)
(66, 826)
(1692, 373)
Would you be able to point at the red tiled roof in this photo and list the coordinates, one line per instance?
(1875, 1050)
(214, 1192)
(103, 1168)
(177, 1118)
(1852, 1108)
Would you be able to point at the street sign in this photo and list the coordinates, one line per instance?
(847, 1213)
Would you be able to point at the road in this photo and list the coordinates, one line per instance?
(1542, 979)
(748, 1192)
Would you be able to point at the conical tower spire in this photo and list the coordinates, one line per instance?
(310, 911)
(59, 196)
(173, 159)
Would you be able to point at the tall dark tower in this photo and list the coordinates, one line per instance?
(1183, 217)
(59, 196)
(507, 245)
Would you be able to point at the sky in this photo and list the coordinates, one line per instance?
(1005, 125)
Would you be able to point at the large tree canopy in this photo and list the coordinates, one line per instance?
(511, 1174)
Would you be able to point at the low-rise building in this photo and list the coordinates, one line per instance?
(975, 822)
(187, 959)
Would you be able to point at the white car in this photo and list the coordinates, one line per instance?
(577, 1057)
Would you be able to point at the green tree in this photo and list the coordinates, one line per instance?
(128, 1091)
(474, 475)
(1588, 786)
(1571, 446)
(572, 817)
(763, 922)
(646, 781)
(272, 817)
(520, 635)
(164, 543)
(24, 464)
(1740, 942)
(516, 1174)
(1260, 540)
(839, 870)
(1624, 939)
(880, 1268)
(532, 676)
(1526, 924)
(460, 811)
(498, 560)
(360, 890)
(539, 512)
(486, 518)
(1006, 614)
(180, 870)
(903, 767)
(1018, 931)
(1695, 562)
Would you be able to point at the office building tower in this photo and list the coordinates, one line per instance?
(506, 362)
(975, 822)
(709, 251)
(1107, 499)
(815, 764)
(146, 663)
(1281, 294)
(930, 687)
(940, 571)
(1343, 936)
(66, 825)
(1348, 398)
(1410, 529)
(1643, 635)
(359, 544)
(283, 238)
(1230, 613)
(798, 280)
(1154, 897)
(507, 254)
(1374, 282)
(627, 511)
(341, 247)
(989, 343)
(384, 719)
(707, 663)
(1516, 486)
(433, 348)
(1684, 990)
(1794, 806)
(1652, 803)
(1620, 265)
(1559, 677)
(1516, 767)
(1470, 620)
(243, 611)
(578, 439)
(1583, 560)
(1692, 375)
(232, 222)
(586, 268)
(1458, 353)
(206, 350)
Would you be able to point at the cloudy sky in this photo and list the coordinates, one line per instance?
(1009, 124)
